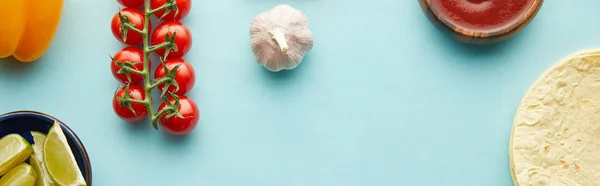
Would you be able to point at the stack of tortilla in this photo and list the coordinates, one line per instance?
(555, 137)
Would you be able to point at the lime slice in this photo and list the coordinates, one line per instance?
(43, 178)
(59, 160)
(21, 175)
(38, 144)
(14, 151)
(37, 160)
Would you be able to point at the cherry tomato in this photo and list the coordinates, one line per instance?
(183, 38)
(137, 93)
(130, 55)
(185, 75)
(136, 18)
(180, 126)
(131, 3)
(183, 6)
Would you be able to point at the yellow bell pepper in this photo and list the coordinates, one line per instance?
(28, 27)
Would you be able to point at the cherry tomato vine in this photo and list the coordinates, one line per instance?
(171, 40)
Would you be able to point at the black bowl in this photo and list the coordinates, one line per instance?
(23, 122)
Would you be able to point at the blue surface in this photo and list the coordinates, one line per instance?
(382, 99)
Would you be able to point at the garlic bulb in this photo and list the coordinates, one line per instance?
(280, 38)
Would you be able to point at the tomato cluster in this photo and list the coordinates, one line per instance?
(171, 40)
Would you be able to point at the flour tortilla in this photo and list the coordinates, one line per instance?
(555, 138)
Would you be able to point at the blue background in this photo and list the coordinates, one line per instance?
(382, 99)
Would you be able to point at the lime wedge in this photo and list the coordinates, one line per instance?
(43, 178)
(21, 175)
(14, 151)
(38, 144)
(59, 160)
(37, 160)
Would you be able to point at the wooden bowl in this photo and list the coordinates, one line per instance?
(480, 36)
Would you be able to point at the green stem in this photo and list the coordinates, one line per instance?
(131, 27)
(129, 69)
(146, 74)
(160, 81)
(159, 46)
(159, 8)
(154, 118)
(137, 101)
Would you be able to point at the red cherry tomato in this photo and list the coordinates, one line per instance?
(183, 6)
(137, 93)
(136, 17)
(185, 75)
(183, 38)
(131, 3)
(130, 55)
(181, 126)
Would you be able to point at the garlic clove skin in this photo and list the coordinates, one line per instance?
(280, 38)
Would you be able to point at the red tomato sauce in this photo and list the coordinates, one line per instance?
(481, 15)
